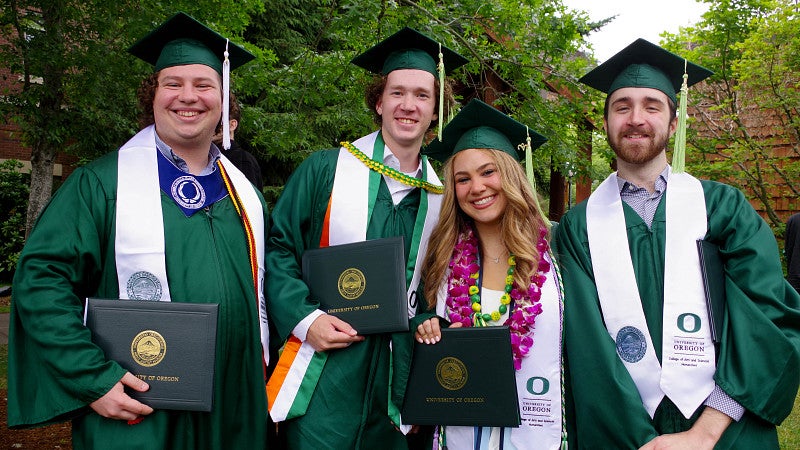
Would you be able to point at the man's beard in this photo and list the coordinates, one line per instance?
(638, 153)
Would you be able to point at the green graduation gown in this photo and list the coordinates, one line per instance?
(55, 371)
(349, 406)
(759, 356)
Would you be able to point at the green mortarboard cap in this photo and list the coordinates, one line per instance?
(182, 40)
(408, 49)
(643, 64)
(479, 125)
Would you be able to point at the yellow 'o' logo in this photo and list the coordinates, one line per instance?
(148, 348)
(352, 283)
(451, 373)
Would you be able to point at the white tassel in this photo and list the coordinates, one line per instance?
(440, 69)
(226, 100)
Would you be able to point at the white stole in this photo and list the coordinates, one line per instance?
(350, 210)
(538, 380)
(687, 369)
(139, 238)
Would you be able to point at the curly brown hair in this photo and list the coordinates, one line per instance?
(378, 84)
(145, 96)
(234, 113)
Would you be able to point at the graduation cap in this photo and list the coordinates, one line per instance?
(479, 125)
(182, 40)
(408, 49)
(643, 64)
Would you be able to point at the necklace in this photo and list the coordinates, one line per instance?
(481, 318)
(496, 260)
(463, 293)
(391, 173)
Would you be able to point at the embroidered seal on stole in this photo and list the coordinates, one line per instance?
(631, 344)
(144, 285)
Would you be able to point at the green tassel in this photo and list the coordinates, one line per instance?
(679, 151)
(529, 173)
(529, 161)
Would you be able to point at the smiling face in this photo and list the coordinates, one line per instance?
(479, 186)
(187, 106)
(638, 124)
(406, 108)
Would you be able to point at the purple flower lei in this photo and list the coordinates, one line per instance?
(464, 271)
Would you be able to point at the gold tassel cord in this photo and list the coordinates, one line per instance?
(679, 150)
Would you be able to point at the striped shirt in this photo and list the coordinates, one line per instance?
(640, 199)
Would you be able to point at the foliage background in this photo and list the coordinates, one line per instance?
(747, 122)
(301, 94)
(13, 202)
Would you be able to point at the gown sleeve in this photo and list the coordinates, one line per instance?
(759, 362)
(54, 368)
(296, 227)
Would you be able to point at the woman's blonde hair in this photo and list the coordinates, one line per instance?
(519, 225)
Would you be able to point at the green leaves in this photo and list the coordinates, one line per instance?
(520, 53)
(13, 199)
(746, 127)
(301, 93)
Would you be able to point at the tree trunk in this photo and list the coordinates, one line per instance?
(50, 117)
(42, 158)
(557, 199)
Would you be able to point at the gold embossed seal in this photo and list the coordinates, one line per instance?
(352, 283)
(451, 373)
(148, 348)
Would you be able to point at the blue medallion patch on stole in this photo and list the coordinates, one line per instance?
(190, 192)
(631, 345)
(144, 285)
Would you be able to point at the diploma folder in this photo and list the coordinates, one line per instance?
(170, 345)
(362, 283)
(713, 271)
(467, 378)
